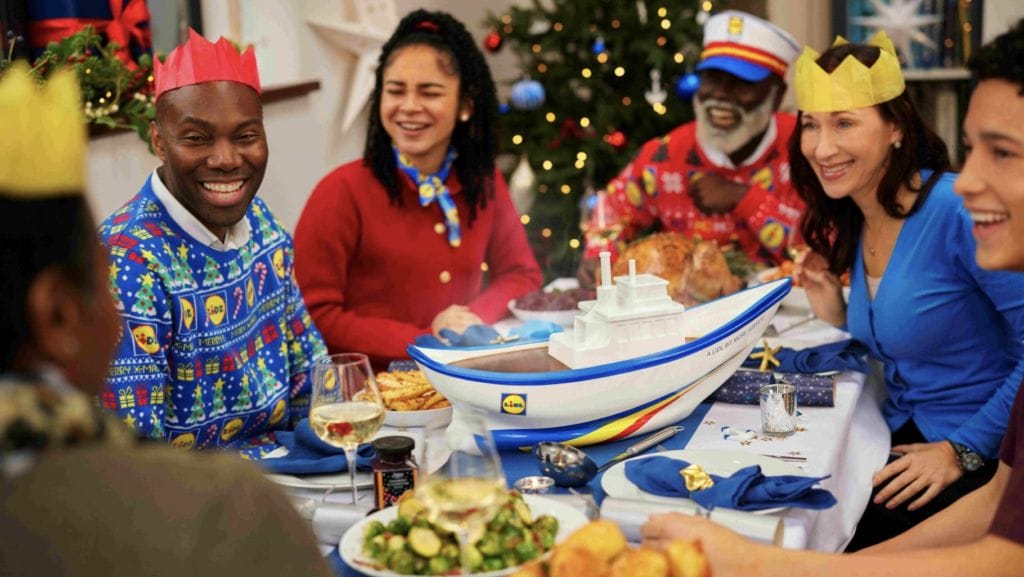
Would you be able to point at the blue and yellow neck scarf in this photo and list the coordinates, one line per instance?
(431, 187)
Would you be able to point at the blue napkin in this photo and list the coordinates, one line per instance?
(845, 355)
(308, 454)
(485, 335)
(747, 489)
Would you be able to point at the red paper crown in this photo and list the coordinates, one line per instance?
(200, 60)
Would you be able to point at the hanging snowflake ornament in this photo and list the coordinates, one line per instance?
(904, 25)
(527, 94)
(657, 94)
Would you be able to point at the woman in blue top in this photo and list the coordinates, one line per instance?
(880, 204)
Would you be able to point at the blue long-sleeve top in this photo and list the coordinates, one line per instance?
(949, 333)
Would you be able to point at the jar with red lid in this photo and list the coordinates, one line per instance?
(394, 469)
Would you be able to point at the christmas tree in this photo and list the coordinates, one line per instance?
(211, 272)
(144, 298)
(218, 398)
(198, 410)
(607, 73)
(244, 400)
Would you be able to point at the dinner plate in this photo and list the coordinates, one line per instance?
(406, 419)
(559, 317)
(351, 546)
(364, 480)
(715, 462)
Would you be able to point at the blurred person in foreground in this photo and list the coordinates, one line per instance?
(880, 203)
(218, 345)
(982, 534)
(78, 494)
(420, 234)
(723, 177)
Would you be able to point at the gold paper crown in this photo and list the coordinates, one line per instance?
(851, 85)
(42, 152)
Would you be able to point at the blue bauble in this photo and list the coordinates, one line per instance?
(687, 86)
(527, 94)
(599, 47)
(503, 108)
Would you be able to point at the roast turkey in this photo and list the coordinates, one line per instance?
(696, 271)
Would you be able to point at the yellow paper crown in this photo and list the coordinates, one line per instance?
(851, 85)
(42, 152)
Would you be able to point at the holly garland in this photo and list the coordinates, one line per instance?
(115, 94)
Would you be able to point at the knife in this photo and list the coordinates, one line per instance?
(643, 445)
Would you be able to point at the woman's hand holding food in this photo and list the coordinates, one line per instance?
(824, 289)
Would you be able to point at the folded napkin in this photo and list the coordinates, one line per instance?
(308, 454)
(743, 386)
(485, 335)
(747, 489)
(845, 355)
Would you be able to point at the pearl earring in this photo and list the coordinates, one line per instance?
(464, 117)
(897, 144)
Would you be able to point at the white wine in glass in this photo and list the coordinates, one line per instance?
(346, 409)
(465, 492)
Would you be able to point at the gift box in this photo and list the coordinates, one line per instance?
(123, 21)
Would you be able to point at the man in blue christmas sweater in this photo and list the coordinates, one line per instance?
(217, 343)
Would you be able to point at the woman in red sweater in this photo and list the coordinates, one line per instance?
(420, 234)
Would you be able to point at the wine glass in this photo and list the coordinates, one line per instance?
(346, 408)
(464, 492)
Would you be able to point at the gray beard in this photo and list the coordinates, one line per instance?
(751, 123)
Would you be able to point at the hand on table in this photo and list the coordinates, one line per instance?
(726, 552)
(924, 468)
(456, 317)
(714, 194)
(824, 289)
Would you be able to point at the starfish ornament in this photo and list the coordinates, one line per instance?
(767, 356)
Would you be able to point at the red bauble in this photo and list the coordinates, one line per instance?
(616, 138)
(493, 42)
(570, 129)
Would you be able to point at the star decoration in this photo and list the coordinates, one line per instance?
(903, 24)
(130, 421)
(114, 269)
(767, 356)
(363, 38)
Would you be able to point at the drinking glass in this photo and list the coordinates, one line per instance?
(346, 408)
(467, 490)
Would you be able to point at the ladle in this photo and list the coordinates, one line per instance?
(571, 467)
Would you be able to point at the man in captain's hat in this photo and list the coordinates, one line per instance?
(724, 176)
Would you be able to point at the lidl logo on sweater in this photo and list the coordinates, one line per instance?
(144, 337)
(513, 404)
(216, 309)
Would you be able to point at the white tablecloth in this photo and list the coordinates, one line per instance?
(849, 442)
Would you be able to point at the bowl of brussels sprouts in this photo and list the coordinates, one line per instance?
(400, 540)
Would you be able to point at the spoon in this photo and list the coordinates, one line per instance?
(571, 467)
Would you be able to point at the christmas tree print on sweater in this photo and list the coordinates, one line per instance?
(223, 335)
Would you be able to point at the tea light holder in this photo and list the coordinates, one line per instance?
(778, 409)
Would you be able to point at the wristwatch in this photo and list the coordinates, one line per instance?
(968, 460)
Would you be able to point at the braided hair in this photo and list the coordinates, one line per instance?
(1000, 59)
(476, 140)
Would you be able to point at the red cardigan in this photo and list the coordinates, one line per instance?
(374, 274)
